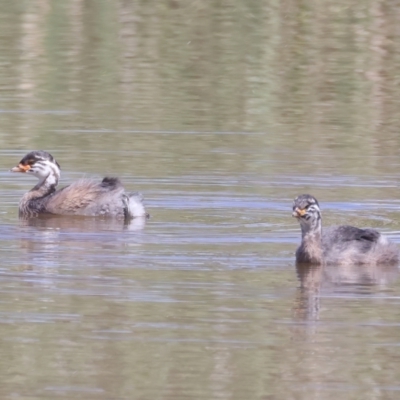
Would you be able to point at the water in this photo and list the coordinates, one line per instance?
(220, 114)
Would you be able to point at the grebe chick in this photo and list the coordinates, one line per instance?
(85, 197)
(338, 244)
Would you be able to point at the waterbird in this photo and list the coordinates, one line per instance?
(338, 244)
(86, 197)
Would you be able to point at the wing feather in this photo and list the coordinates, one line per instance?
(87, 197)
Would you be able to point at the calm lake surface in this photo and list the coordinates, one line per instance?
(220, 113)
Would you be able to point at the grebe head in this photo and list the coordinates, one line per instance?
(40, 164)
(306, 210)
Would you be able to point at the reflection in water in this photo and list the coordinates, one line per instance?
(353, 280)
(207, 68)
(48, 239)
(306, 304)
(83, 224)
(220, 112)
(322, 305)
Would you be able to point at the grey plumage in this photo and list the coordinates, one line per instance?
(85, 197)
(338, 244)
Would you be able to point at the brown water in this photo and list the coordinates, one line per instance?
(220, 113)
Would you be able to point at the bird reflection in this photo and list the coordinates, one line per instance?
(82, 224)
(353, 280)
(47, 242)
(306, 305)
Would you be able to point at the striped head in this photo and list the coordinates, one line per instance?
(306, 210)
(40, 164)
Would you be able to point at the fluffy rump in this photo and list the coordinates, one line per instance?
(135, 206)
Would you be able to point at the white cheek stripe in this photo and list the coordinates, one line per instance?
(46, 171)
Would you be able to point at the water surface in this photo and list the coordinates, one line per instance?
(220, 114)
